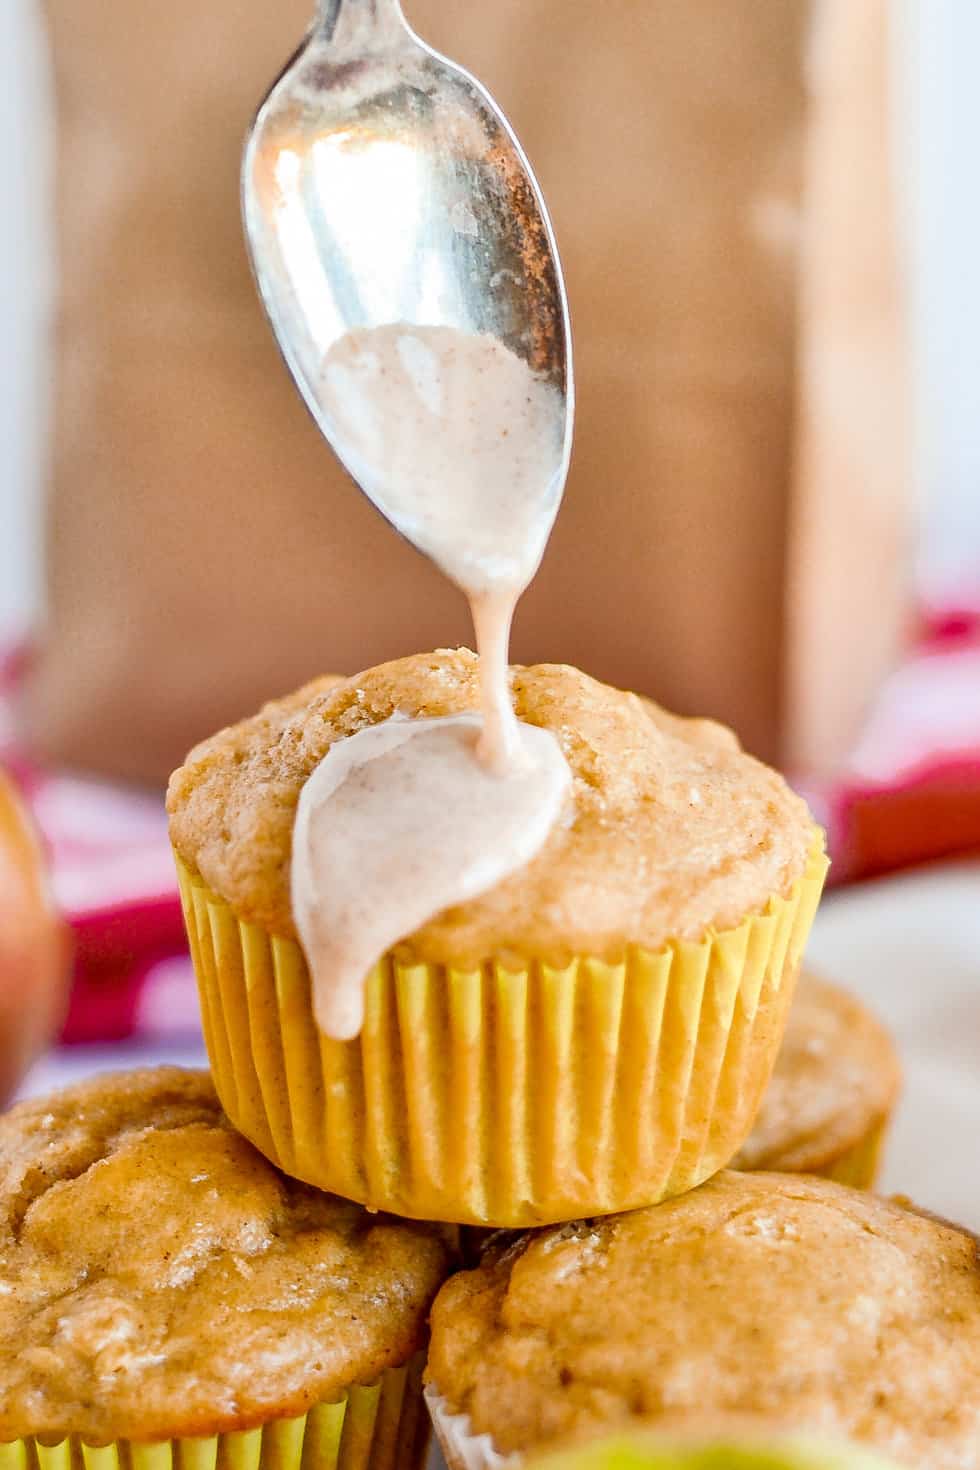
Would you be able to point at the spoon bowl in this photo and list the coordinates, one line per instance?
(382, 185)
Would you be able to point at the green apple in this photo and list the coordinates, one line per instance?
(654, 1452)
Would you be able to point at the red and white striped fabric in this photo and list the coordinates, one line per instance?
(113, 876)
(911, 792)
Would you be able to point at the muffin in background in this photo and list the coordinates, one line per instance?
(593, 1034)
(834, 1089)
(169, 1296)
(775, 1295)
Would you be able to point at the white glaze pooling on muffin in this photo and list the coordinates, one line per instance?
(634, 860)
(459, 443)
(397, 823)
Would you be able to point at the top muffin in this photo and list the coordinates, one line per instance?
(158, 1278)
(670, 829)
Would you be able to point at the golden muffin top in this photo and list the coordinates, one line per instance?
(670, 828)
(837, 1077)
(158, 1278)
(770, 1294)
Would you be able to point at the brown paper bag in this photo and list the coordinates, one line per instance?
(205, 550)
(849, 548)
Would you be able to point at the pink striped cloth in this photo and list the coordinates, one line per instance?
(910, 792)
(113, 876)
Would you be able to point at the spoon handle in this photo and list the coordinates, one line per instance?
(337, 20)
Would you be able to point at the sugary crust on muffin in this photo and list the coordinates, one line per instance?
(669, 829)
(158, 1278)
(836, 1082)
(769, 1294)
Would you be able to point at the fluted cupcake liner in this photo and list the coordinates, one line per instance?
(503, 1094)
(461, 1448)
(858, 1166)
(380, 1427)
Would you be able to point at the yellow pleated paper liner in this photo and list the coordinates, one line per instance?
(381, 1427)
(857, 1166)
(495, 1096)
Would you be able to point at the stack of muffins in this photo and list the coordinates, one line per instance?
(239, 1275)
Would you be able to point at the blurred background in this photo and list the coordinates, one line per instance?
(770, 222)
(930, 535)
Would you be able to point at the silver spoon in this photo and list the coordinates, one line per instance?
(381, 184)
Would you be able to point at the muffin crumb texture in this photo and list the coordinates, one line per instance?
(159, 1279)
(767, 1294)
(671, 829)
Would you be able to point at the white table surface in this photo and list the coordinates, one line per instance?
(910, 946)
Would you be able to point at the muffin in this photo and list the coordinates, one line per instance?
(833, 1092)
(773, 1295)
(739, 1447)
(594, 1033)
(170, 1296)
